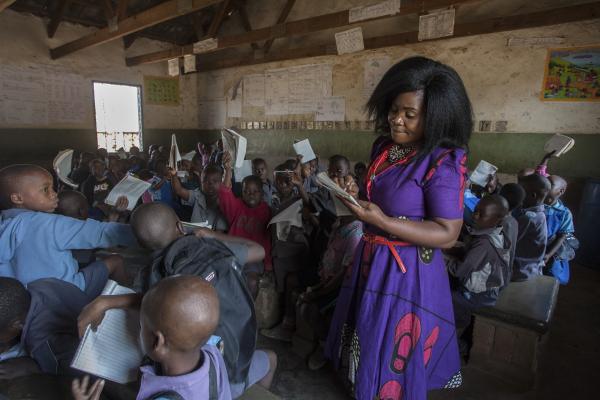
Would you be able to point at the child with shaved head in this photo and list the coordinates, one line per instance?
(532, 236)
(36, 244)
(559, 221)
(484, 269)
(177, 318)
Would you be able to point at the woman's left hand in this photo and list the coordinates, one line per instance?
(367, 212)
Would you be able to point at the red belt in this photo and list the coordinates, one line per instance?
(376, 239)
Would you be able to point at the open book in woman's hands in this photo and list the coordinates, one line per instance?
(335, 189)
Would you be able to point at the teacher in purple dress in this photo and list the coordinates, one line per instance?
(392, 334)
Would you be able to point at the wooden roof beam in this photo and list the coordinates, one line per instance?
(5, 4)
(282, 17)
(555, 16)
(218, 19)
(241, 7)
(57, 17)
(155, 15)
(292, 28)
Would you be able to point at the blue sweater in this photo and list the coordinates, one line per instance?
(36, 245)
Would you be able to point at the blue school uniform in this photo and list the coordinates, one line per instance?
(559, 220)
(36, 245)
(470, 202)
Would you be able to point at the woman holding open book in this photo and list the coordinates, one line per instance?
(393, 330)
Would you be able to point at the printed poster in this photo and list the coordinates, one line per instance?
(572, 74)
(161, 91)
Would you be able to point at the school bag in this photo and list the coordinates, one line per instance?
(214, 262)
(213, 393)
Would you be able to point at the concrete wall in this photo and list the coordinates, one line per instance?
(24, 44)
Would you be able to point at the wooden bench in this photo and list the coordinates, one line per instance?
(506, 337)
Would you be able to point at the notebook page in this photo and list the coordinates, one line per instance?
(235, 144)
(334, 188)
(304, 149)
(113, 351)
(130, 187)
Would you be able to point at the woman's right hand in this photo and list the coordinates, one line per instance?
(367, 212)
(348, 184)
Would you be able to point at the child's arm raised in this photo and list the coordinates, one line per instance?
(297, 182)
(93, 313)
(228, 169)
(177, 186)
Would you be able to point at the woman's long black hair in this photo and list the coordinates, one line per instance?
(448, 113)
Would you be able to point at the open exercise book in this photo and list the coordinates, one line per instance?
(130, 187)
(235, 144)
(304, 149)
(112, 352)
(290, 216)
(62, 166)
(334, 188)
(560, 144)
(481, 175)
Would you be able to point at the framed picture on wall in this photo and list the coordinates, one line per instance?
(572, 74)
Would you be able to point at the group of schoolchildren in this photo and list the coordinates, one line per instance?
(511, 233)
(202, 281)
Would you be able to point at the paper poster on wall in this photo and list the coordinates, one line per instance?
(23, 94)
(331, 109)
(374, 69)
(189, 63)
(307, 83)
(205, 46)
(383, 8)
(436, 24)
(65, 91)
(161, 91)
(212, 114)
(572, 74)
(254, 90)
(234, 100)
(276, 92)
(350, 41)
(173, 64)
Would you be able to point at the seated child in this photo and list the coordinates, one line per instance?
(204, 200)
(37, 244)
(208, 254)
(483, 270)
(532, 238)
(72, 203)
(561, 242)
(95, 188)
(260, 169)
(81, 172)
(248, 218)
(177, 318)
(43, 319)
(360, 174)
(514, 195)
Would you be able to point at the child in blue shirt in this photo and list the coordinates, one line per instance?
(36, 244)
(533, 235)
(559, 222)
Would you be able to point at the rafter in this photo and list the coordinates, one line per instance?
(57, 17)
(282, 17)
(292, 28)
(5, 4)
(109, 12)
(217, 20)
(501, 24)
(241, 7)
(155, 15)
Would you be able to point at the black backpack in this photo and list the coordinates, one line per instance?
(211, 260)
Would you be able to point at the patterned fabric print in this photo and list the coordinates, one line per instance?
(391, 390)
(349, 353)
(455, 381)
(408, 331)
(429, 343)
(425, 255)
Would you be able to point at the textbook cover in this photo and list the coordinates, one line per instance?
(560, 144)
(324, 180)
(235, 144)
(481, 175)
(130, 187)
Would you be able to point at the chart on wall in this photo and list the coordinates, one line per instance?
(161, 91)
(572, 74)
(38, 95)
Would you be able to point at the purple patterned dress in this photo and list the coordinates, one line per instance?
(392, 333)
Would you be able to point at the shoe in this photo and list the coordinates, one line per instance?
(408, 331)
(278, 333)
(317, 359)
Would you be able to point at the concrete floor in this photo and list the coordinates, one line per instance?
(569, 364)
